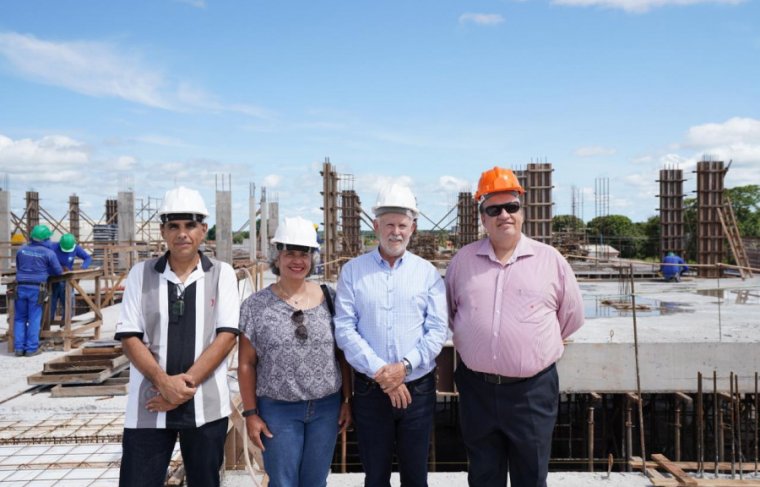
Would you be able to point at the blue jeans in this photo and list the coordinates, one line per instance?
(382, 430)
(507, 428)
(26, 319)
(59, 296)
(146, 453)
(304, 435)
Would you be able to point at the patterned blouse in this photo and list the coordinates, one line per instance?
(290, 368)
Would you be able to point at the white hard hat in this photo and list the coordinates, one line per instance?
(395, 198)
(296, 231)
(182, 203)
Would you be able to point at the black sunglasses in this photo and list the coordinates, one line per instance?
(302, 333)
(495, 210)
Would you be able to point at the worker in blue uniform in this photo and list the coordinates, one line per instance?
(672, 267)
(35, 262)
(66, 250)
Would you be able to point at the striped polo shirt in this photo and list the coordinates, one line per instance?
(211, 306)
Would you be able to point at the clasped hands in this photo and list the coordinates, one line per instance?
(390, 378)
(171, 391)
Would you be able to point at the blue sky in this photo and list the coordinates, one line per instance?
(97, 97)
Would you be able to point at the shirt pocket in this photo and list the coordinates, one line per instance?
(531, 305)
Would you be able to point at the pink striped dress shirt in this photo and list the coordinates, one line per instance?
(510, 319)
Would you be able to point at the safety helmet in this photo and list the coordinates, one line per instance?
(395, 198)
(67, 243)
(297, 232)
(18, 238)
(182, 203)
(40, 233)
(497, 180)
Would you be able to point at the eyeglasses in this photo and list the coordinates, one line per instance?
(302, 333)
(495, 210)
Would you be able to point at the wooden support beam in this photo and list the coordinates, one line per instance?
(673, 469)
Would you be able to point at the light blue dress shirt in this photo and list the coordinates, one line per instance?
(384, 314)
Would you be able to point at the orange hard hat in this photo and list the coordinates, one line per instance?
(497, 180)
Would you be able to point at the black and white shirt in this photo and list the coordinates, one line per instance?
(211, 306)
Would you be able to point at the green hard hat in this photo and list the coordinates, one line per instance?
(68, 242)
(40, 233)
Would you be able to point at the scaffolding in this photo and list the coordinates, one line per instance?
(467, 219)
(710, 234)
(538, 202)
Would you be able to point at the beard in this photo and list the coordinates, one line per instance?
(394, 247)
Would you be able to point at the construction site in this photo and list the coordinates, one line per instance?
(658, 388)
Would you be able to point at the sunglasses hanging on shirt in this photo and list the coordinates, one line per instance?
(298, 317)
(177, 307)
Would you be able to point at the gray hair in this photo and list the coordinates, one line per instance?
(274, 254)
(395, 209)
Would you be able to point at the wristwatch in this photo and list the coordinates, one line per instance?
(250, 412)
(407, 366)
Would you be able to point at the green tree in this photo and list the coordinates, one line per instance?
(618, 231)
(746, 203)
(650, 229)
(564, 223)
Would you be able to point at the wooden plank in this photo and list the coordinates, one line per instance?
(77, 378)
(80, 362)
(673, 470)
(110, 387)
(636, 464)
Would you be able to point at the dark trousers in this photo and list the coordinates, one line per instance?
(146, 453)
(507, 428)
(382, 430)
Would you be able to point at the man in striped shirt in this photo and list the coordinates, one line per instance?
(391, 324)
(511, 301)
(178, 322)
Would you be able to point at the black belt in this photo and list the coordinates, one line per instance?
(27, 283)
(411, 383)
(502, 379)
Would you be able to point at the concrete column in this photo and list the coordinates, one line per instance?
(252, 242)
(273, 217)
(74, 215)
(224, 226)
(264, 234)
(126, 227)
(5, 229)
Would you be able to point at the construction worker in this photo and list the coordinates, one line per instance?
(178, 322)
(35, 262)
(390, 323)
(66, 250)
(512, 301)
(672, 267)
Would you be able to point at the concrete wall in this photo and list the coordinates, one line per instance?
(224, 226)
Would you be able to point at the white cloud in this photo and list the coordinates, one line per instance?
(451, 184)
(99, 69)
(48, 154)
(193, 3)
(481, 19)
(638, 6)
(271, 181)
(594, 151)
(124, 163)
(735, 130)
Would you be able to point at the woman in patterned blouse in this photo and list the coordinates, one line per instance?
(294, 381)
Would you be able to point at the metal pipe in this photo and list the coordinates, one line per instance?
(733, 425)
(756, 421)
(638, 374)
(628, 432)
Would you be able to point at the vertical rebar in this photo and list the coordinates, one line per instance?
(738, 403)
(677, 429)
(628, 432)
(638, 374)
(700, 428)
(733, 425)
(590, 419)
(756, 421)
(716, 432)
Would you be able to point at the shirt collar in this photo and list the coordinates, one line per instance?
(163, 262)
(524, 249)
(380, 261)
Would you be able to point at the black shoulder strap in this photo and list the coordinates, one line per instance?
(328, 299)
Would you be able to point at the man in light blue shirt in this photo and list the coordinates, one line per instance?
(391, 323)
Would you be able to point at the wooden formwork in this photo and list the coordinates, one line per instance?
(710, 235)
(538, 202)
(671, 211)
(467, 219)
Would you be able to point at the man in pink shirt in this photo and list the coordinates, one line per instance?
(512, 301)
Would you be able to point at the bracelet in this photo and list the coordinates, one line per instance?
(250, 412)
